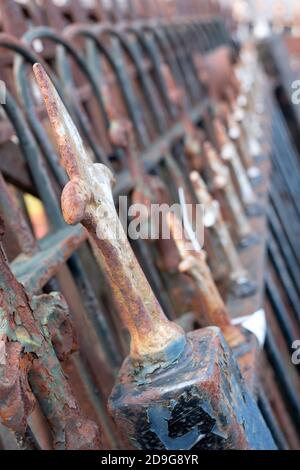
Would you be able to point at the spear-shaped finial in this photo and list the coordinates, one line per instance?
(88, 199)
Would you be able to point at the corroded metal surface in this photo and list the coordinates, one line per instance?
(162, 412)
(31, 344)
(153, 338)
(158, 347)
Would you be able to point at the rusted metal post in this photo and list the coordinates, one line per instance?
(173, 391)
(31, 340)
(179, 179)
(152, 335)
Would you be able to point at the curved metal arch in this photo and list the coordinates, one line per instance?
(118, 32)
(189, 34)
(183, 60)
(166, 30)
(34, 160)
(44, 32)
(201, 38)
(143, 77)
(123, 81)
(48, 33)
(207, 28)
(165, 39)
(165, 48)
(153, 54)
(27, 56)
(182, 31)
(193, 44)
(15, 45)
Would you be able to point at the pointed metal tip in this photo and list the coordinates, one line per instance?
(66, 135)
(38, 67)
(42, 77)
(47, 90)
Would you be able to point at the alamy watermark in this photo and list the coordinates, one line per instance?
(296, 93)
(296, 354)
(153, 222)
(2, 92)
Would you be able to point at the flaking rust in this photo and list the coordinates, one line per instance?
(33, 336)
(174, 391)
